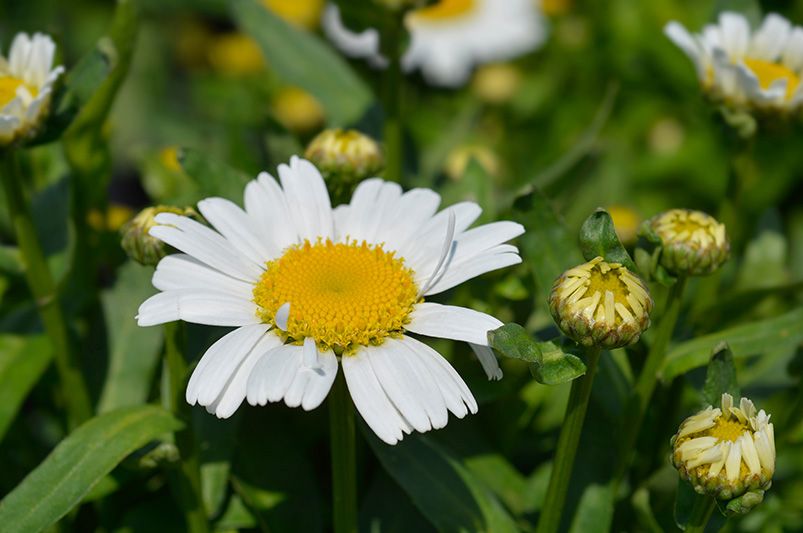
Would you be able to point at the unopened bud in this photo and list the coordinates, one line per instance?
(693, 243)
(138, 243)
(727, 452)
(601, 304)
(345, 156)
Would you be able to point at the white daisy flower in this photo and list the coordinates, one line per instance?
(759, 69)
(726, 451)
(26, 84)
(307, 285)
(450, 37)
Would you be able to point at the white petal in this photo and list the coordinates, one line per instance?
(455, 275)
(307, 199)
(681, 37)
(455, 392)
(362, 45)
(18, 54)
(488, 361)
(371, 400)
(213, 308)
(219, 363)
(181, 271)
(414, 209)
(311, 384)
(793, 54)
(734, 461)
(205, 245)
(265, 203)
(735, 34)
(451, 322)
(750, 454)
(234, 393)
(238, 228)
(770, 39)
(282, 316)
(273, 374)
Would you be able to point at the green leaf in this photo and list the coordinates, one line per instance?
(546, 246)
(23, 360)
(721, 376)
(444, 490)
(133, 351)
(78, 463)
(685, 499)
(549, 363)
(495, 471)
(301, 59)
(749, 339)
(475, 185)
(214, 177)
(598, 238)
(595, 509)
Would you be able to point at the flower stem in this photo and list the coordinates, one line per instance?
(392, 95)
(700, 514)
(40, 281)
(188, 482)
(344, 457)
(567, 446)
(642, 392)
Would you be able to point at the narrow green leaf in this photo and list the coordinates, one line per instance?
(444, 490)
(684, 502)
(301, 59)
(748, 339)
(595, 509)
(598, 238)
(495, 471)
(133, 351)
(721, 376)
(23, 360)
(78, 463)
(549, 363)
(214, 177)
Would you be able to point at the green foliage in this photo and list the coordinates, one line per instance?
(23, 360)
(720, 376)
(78, 463)
(213, 176)
(598, 239)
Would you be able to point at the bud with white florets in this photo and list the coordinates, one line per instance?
(727, 452)
(692, 242)
(601, 304)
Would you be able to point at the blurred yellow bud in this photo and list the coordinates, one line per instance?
(297, 110)
(554, 7)
(727, 451)
(626, 222)
(302, 13)
(345, 155)
(601, 304)
(458, 158)
(496, 83)
(168, 156)
(116, 215)
(236, 54)
(136, 240)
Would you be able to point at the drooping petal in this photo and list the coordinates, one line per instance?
(209, 307)
(451, 322)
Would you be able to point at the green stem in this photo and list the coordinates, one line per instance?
(344, 457)
(392, 95)
(189, 478)
(645, 386)
(567, 446)
(700, 514)
(74, 388)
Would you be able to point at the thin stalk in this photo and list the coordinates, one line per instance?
(391, 100)
(567, 446)
(344, 458)
(700, 514)
(189, 475)
(645, 385)
(74, 389)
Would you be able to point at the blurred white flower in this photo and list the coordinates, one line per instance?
(758, 69)
(305, 284)
(26, 85)
(449, 38)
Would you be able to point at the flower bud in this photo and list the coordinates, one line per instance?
(345, 155)
(458, 159)
(496, 83)
(297, 110)
(601, 304)
(726, 452)
(693, 242)
(138, 243)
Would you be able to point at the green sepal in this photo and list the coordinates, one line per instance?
(598, 239)
(720, 376)
(743, 504)
(550, 364)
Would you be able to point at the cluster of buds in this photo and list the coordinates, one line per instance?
(692, 242)
(345, 157)
(137, 241)
(727, 451)
(601, 304)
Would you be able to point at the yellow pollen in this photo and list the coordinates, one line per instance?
(445, 10)
(8, 89)
(767, 72)
(727, 429)
(342, 295)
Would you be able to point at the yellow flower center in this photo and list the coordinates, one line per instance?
(302, 13)
(8, 89)
(445, 10)
(342, 295)
(727, 429)
(768, 72)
